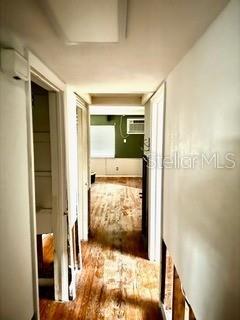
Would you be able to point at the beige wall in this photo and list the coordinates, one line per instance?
(16, 292)
(202, 206)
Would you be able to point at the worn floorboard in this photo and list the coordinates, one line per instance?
(117, 281)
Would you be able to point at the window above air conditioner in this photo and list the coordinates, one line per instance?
(135, 126)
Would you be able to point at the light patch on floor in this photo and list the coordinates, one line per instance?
(117, 281)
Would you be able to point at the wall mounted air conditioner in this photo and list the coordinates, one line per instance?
(135, 126)
(14, 64)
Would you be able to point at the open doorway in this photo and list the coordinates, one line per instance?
(43, 189)
(115, 255)
(49, 193)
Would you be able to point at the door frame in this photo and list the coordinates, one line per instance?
(48, 80)
(157, 114)
(83, 169)
(59, 205)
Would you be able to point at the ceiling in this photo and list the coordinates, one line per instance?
(159, 33)
(84, 20)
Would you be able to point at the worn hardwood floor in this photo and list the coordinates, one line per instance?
(117, 282)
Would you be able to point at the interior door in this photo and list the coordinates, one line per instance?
(83, 168)
(77, 177)
(156, 174)
(145, 200)
(80, 189)
(59, 199)
(72, 189)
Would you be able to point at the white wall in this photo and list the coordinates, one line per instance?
(16, 291)
(202, 206)
(108, 166)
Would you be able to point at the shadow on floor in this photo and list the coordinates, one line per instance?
(122, 305)
(127, 242)
(46, 292)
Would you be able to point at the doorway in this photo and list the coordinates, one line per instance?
(130, 282)
(49, 191)
(43, 189)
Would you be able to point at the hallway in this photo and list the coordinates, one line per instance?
(112, 89)
(117, 281)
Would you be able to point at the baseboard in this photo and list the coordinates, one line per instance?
(163, 311)
(118, 176)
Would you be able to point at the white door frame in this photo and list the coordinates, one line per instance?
(59, 205)
(47, 79)
(83, 169)
(157, 106)
(79, 113)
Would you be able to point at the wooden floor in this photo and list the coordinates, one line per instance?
(117, 282)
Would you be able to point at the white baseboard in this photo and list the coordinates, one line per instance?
(118, 176)
(163, 311)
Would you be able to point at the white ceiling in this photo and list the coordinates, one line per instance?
(159, 33)
(84, 20)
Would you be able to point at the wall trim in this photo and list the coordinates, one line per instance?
(163, 311)
(118, 176)
(42, 71)
(93, 158)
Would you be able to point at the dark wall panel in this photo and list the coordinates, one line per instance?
(133, 148)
